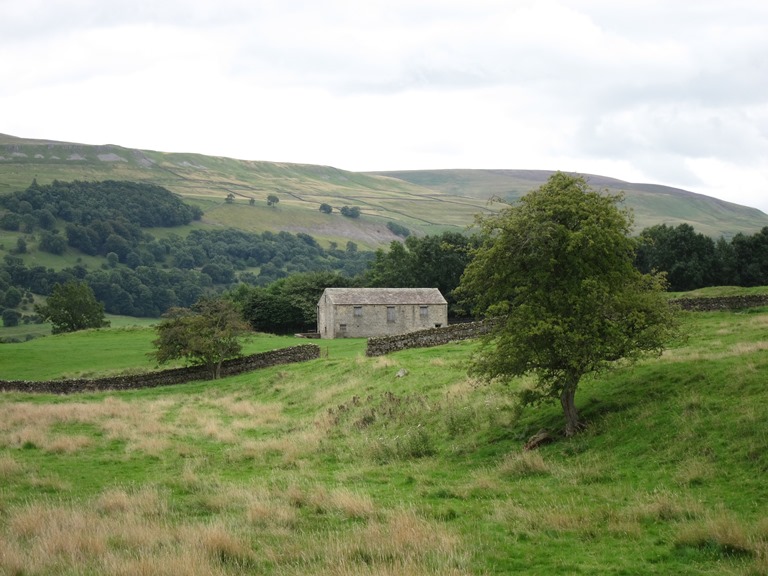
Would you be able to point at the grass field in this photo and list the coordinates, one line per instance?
(339, 467)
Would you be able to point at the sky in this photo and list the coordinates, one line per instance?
(657, 91)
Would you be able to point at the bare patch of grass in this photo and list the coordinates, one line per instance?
(216, 430)
(528, 521)
(381, 362)
(67, 444)
(402, 543)
(266, 511)
(722, 534)
(220, 543)
(662, 506)
(122, 532)
(693, 471)
(587, 472)
(342, 501)
(48, 483)
(258, 414)
(291, 448)
(9, 466)
(27, 436)
(166, 562)
(12, 560)
(147, 502)
(58, 535)
(743, 348)
(526, 463)
(484, 484)
(151, 446)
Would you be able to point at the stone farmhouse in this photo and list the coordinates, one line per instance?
(368, 312)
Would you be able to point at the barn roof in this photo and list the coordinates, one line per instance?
(390, 296)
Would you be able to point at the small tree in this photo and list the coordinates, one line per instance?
(13, 297)
(11, 317)
(353, 212)
(272, 200)
(326, 208)
(206, 334)
(71, 307)
(557, 273)
(230, 199)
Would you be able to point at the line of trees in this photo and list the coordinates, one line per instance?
(141, 275)
(283, 274)
(692, 260)
(140, 204)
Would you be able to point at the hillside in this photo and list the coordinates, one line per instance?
(339, 467)
(651, 203)
(207, 180)
(426, 202)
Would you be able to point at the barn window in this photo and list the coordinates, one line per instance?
(391, 316)
(424, 311)
(342, 327)
(358, 311)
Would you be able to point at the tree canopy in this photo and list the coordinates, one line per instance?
(206, 334)
(72, 306)
(289, 304)
(430, 261)
(556, 272)
(137, 203)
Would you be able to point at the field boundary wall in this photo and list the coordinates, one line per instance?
(381, 345)
(170, 377)
(714, 304)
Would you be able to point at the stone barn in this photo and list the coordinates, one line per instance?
(367, 312)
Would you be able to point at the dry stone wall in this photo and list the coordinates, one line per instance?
(722, 303)
(382, 345)
(289, 355)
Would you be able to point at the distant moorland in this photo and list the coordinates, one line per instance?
(424, 202)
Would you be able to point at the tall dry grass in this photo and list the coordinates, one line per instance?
(127, 530)
(159, 426)
(9, 466)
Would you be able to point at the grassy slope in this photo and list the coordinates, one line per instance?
(427, 202)
(337, 466)
(651, 204)
(208, 179)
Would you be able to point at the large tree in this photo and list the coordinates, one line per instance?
(688, 257)
(430, 261)
(556, 272)
(206, 334)
(288, 304)
(72, 306)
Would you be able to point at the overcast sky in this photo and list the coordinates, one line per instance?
(660, 91)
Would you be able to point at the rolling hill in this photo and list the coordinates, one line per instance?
(426, 202)
(651, 203)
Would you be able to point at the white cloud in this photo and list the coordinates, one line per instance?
(671, 93)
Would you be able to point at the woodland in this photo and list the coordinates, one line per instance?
(132, 244)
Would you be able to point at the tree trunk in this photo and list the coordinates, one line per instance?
(567, 397)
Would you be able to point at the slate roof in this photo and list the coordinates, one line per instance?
(383, 296)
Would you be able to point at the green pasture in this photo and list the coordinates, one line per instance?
(340, 466)
(122, 348)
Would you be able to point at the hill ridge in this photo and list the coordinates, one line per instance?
(424, 201)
